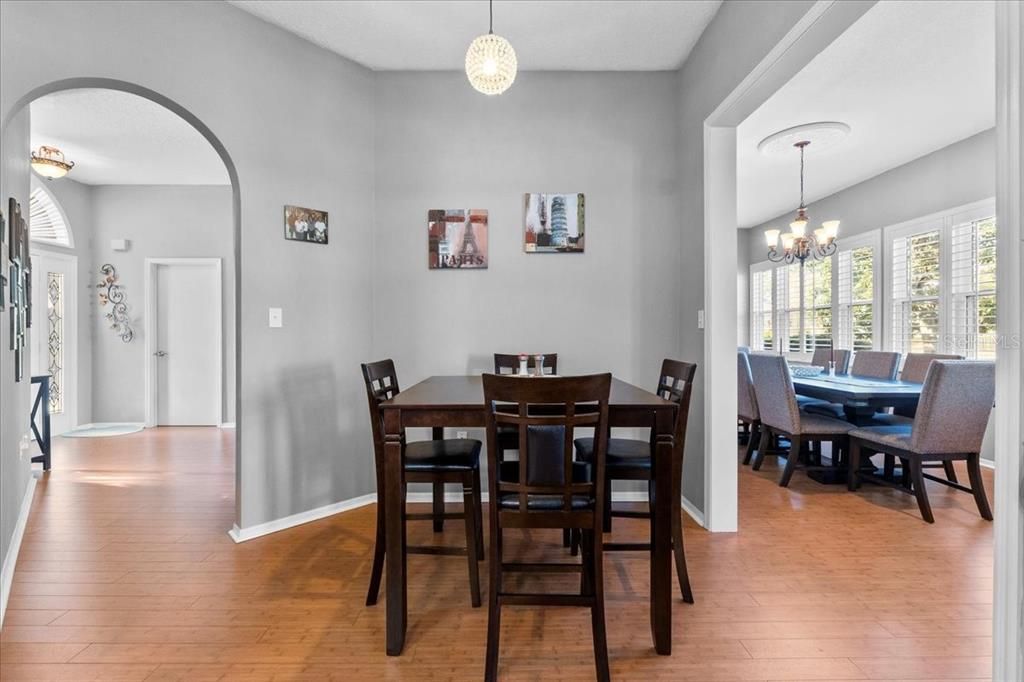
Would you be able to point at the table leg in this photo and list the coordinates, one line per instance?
(661, 534)
(45, 389)
(394, 532)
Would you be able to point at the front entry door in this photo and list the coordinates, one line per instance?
(54, 333)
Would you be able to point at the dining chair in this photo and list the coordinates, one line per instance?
(950, 423)
(546, 488)
(508, 363)
(915, 369)
(631, 460)
(823, 355)
(782, 417)
(436, 462)
(871, 364)
(747, 413)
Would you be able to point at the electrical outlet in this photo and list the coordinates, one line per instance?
(276, 319)
(462, 434)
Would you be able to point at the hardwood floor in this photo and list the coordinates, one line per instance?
(127, 573)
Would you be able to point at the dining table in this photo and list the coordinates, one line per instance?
(458, 401)
(860, 397)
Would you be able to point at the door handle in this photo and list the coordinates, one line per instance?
(160, 353)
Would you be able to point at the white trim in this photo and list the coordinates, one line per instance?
(227, 425)
(243, 534)
(11, 560)
(72, 361)
(149, 332)
(1008, 582)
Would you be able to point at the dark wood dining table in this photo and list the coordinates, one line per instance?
(860, 397)
(458, 401)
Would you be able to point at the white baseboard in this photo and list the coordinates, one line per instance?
(987, 463)
(228, 425)
(7, 572)
(695, 514)
(243, 534)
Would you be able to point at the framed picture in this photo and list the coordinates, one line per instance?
(305, 225)
(457, 239)
(3, 272)
(553, 223)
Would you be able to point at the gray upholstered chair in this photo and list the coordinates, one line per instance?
(742, 349)
(872, 364)
(822, 356)
(780, 416)
(747, 413)
(915, 369)
(955, 405)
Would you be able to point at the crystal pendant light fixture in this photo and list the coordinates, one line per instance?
(50, 163)
(797, 245)
(491, 61)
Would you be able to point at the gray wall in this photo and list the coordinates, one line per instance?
(737, 39)
(959, 174)
(439, 144)
(166, 221)
(14, 403)
(303, 430)
(76, 201)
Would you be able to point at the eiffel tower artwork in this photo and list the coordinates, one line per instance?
(457, 239)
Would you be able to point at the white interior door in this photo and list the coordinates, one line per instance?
(54, 333)
(187, 341)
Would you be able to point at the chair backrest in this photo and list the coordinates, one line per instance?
(875, 364)
(823, 355)
(546, 412)
(675, 384)
(742, 349)
(955, 405)
(746, 401)
(508, 363)
(773, 388)
(381, 385)
(915, 367)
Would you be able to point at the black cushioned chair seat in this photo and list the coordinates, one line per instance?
(621, 451)
(453, 454)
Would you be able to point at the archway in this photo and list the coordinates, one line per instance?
(222, 153)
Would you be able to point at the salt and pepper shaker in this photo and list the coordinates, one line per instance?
(538, 365)
(523, 364)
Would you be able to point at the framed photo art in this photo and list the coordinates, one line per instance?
(457, 239)
(305, 224)
(553, 223)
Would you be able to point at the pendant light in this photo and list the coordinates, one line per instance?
(491, 61)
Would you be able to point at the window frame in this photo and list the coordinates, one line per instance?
(872, 240)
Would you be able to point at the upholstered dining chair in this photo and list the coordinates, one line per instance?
(433, 461)
(822, 356)
(954, 409)
(545, 488)
(747, 413)
(508, 363)
(915, 369)
(782, 417)
(872, 364)
(631, 460)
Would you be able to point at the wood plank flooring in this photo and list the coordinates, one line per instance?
(127, 573)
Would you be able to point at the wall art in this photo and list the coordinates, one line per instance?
(457, 239)
(19, 282)
(112, 294)
(553, 223)
(305, 225)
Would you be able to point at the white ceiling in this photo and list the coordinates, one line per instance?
(116, 138)
(909, 78)
(548, 35)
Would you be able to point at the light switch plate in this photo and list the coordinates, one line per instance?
(276, 320)
(700, 319)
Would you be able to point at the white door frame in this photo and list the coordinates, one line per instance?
(825, 21)
(149, 332)
(71, 304)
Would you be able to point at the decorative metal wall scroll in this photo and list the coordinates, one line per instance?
(20, 282)
(114, 295)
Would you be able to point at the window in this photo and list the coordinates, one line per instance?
(973, 289)
(817, 305)
(46, 220)
(943, 271)
(788, 308)
(856, 292)
(761, 309)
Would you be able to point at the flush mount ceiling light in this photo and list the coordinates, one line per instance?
(50, 163)
(491, 61)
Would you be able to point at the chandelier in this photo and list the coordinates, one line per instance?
(797, 245)
(50, 162)
(491, 61)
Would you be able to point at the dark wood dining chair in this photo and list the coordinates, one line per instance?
(545, 488)
(631, 460)
(508, 363)
(436, 462)
(781, 417)
(955, 405)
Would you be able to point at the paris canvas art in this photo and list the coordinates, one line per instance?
(305, 224)
(457, 239)
(554, 223)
